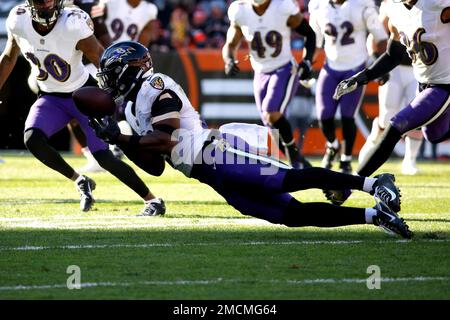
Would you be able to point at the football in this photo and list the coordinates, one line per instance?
(94, 102)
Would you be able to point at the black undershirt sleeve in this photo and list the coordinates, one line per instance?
(305, 29)
(393, 56)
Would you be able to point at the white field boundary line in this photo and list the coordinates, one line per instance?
(205, 244)
(220, 281)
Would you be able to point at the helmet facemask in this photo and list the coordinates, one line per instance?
(45, 16)
(119, 75)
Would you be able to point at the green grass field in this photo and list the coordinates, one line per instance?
(204, 249)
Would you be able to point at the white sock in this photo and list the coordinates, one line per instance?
(368, 184)
(370, 213)
(334, 144)
(88, 155)
(80, 177)
(346, 158)
(412, 147)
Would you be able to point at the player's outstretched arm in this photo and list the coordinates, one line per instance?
(384, 64)
(8, 59)
(301, 26)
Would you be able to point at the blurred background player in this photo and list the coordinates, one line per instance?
(341, 26)
(266, 25)
(392, 96)
(53, 39)
(420, 29)
(129, 20)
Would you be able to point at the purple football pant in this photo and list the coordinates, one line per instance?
(429, 110)
(274, 90)
(239, 177)
(51, 113)
(327, 82)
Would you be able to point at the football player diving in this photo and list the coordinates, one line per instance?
(168, 127)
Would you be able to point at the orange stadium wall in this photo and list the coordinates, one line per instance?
(220, 99)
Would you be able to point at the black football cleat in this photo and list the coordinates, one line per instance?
(345, 167)
(390, 222)
(329, 157)
(85, 187)
(337, 197)
(154, 207)
(385, 190)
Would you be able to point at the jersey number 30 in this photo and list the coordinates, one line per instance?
(57, 67)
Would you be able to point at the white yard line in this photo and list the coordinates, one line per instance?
(206, 282)
(112, 222)
(195, 244)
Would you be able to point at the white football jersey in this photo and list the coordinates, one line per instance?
(141, 117)
(54, 59)
(125, 22)
(342, 30)
(268, 35)
(425, 31)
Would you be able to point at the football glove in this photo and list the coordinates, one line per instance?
(106, 129)
(350, 84)
(304, 70)
(231, 67)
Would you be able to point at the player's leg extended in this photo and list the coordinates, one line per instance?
(390, 102)
(47, 116)
(280, 88)
(349, 105)
(326, 108)
(234, 167)
(282, 208)
(428, 106)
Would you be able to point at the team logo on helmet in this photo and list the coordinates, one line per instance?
(120, 53)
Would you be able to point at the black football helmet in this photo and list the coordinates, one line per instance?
(122, 65)
(43, 14)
